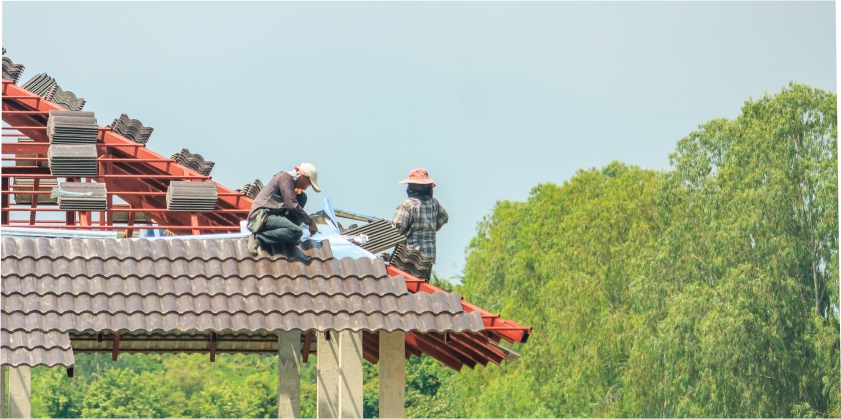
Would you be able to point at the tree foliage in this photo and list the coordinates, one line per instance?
(707, 290)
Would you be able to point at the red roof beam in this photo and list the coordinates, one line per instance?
(101, 159)
(432, 350)
(370, 347)
(466, 354)
(42, 148)
(30, 191)
(507, 329)
(135, 227)
(112, 138)
(37, 98)
(486, 351)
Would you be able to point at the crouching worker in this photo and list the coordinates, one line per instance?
(277, 215)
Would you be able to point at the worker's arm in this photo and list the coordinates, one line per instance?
(402, 220)
(290, 201)
(443, 217)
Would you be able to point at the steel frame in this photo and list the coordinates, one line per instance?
(130, 171)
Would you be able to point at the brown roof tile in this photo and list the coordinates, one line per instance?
(171, 250)
(186, 287)
(35, 348)
(214, 285)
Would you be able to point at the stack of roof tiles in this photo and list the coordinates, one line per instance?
(65, 98)
(11, 71)
(45, 86)
(381, 235)
(73, 160)
(40, 84)
(193, 161)
(29, 162)
(72, 127)
(191, 196)
(251, 189)
(59, 294)
(132, 129)
(24, 184)
(82, 196)
(411, 261)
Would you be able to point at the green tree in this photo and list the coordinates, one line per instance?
(55, 394)
(709, 290)
(561, 262)
(121, 393)
(748, 269)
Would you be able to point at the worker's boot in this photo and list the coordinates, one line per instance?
(253, 245)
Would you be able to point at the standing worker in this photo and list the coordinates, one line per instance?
(420, 216)
(277, 214)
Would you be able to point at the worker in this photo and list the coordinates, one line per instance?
(420, 216)
(277, 215)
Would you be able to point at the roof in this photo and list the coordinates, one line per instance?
(70, 287)
(140, 177)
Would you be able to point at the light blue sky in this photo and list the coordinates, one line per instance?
(491, 98)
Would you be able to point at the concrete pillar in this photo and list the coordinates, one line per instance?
(327, 381)
(2, 391)
(20, 390)
(392, 374)
(289, 375)
(350, 374)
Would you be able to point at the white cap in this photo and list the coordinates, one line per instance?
(311, 173)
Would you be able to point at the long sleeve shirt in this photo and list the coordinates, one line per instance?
(419, 220)
(278, 197)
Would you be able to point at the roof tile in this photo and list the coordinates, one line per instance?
(12, 71)
(131, 129)
(194, 161)
(18, 248)
(52, 287)
(35, 348)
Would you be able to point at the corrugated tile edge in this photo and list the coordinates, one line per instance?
(241, 322)
(194, 161)
(12, 71)
(19, 248)
(132, 129)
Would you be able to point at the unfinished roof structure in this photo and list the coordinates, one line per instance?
(187, 292)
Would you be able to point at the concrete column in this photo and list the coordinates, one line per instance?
(289, 375)
(392, 374)
(2, 391)
(20, 390)
(327, 381)
(350, 374)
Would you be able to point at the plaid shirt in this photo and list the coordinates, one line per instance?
(418, 220)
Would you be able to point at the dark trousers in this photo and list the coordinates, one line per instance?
(280, 229)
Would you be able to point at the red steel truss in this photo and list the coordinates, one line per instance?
(130, 171)
(139, 177)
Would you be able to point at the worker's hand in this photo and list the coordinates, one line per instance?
(313, 228)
